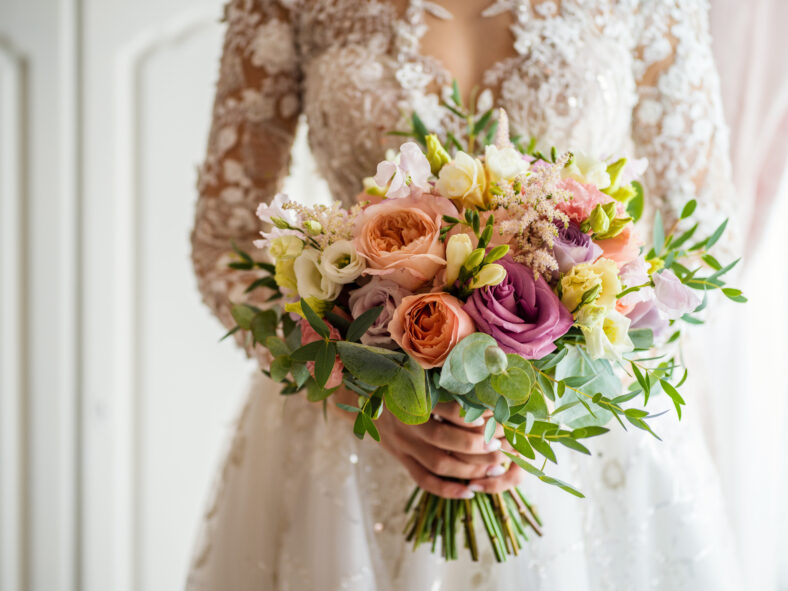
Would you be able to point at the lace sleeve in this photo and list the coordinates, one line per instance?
(678, 120)
(254, 118)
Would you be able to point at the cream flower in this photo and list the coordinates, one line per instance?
(587, 170)
(464, 180)
(340, 262)
(503, 164)
(606, 332)
(458, 247)
(601, 275)
(312, 283)
(285, 247)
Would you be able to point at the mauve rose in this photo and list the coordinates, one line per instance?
(573, 246)
(646, 315)
(521, 313)
(378, 292)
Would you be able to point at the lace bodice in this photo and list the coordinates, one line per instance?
(607, 77)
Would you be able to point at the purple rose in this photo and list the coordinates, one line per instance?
(521, 313)
(674, 299)
(646, 315)
(378, 292)
(573, 246)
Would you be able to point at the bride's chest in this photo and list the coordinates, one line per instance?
(566, 77)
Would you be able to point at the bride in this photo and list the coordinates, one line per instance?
(300, 503)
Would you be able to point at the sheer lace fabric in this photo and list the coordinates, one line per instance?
(610, 77)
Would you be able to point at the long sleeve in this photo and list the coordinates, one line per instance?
(254, 118)
(678, 121)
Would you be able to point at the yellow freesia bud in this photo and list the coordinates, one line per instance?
(491, 274)
(458, 247)
(285, 247)
(437, 155)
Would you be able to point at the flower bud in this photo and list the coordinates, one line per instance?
(474, 259)
(491, 274)
(614, 171)
(280, 223)
(598, 220)
(312, 227)
(437, 155)
(458, 247)
(496, 252)
(495, 359)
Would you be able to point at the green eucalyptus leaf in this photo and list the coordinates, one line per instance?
(263, 325)
(374, 365)
(280, 367)
(314, 320)
(324, 362)
(361, 324)
(243, 314)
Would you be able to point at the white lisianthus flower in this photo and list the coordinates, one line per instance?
(311, 281)
(606, 332)
(458, 247)
(587, 170)
(340, 262)
(464, 180)
(503, 164)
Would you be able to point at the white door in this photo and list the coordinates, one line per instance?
(116, 396)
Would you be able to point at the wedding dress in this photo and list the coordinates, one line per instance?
(300, 503)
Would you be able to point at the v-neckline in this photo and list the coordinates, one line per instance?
(416, 11)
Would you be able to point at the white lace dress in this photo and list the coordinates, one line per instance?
(299, 503)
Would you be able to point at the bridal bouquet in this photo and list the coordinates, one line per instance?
(484, 273)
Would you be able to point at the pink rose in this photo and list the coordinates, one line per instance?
(624, 248)
(308, 335)
(428, 326)
(400, 238)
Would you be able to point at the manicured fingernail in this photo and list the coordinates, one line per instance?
(496, 470)
(477, 423)
(467, 495)
(494, 445)
(475, 488)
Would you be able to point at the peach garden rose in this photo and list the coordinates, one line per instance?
(429, 325)
(400, 238)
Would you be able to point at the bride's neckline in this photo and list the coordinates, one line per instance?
(521, 11)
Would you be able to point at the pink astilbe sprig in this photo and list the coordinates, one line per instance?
(525, 212)
(326, 224)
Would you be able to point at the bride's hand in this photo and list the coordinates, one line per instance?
(446, 447)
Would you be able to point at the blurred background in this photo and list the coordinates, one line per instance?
(115, 397)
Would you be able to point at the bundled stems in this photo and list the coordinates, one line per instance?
(506, 518)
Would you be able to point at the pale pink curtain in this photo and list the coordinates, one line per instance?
(744, 348)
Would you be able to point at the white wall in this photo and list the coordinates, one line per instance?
(116, 396)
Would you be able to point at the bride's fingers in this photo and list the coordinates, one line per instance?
(450, 411)
(431, 483)
(490, 459)
(449, 437)
(513, 476)
(445, 464)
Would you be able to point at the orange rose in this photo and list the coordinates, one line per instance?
(400, 238)
(623, 248)
(428, 326)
